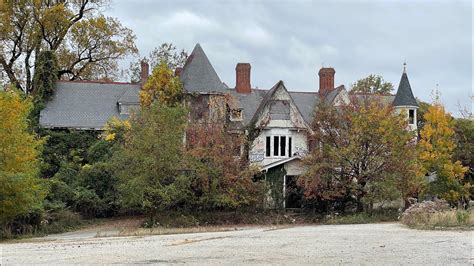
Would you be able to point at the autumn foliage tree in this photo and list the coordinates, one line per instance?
(437, 147)
(163, 86)
(21, 190)
(220, 179)
(361, 145)
(86, 43)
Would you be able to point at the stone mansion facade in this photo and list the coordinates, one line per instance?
(284, 116)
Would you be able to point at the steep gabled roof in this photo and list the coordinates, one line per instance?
(198, 74)
(404, 96)
(268, 96)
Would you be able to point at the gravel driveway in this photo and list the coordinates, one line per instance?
(347, 244)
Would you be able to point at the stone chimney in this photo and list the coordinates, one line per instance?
(326, 80)
(177, 71)
(144, 72)
(242, 78)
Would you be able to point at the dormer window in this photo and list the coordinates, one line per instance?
(235, 115)
(411, 116)
(126, 108)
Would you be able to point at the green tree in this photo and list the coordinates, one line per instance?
(464, 151)
(420, 115)
(148, 165)
(437, 145)
(46, 74)
(21, 190)
(361, 145)
(162, 86)
(373, 84)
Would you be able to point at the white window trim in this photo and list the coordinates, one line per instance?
(272, 149)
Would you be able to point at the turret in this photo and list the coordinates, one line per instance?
(405, 101)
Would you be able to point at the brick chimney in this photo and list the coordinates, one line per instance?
(144, 72)
(326, 80)
(242, 78)
(177, 71)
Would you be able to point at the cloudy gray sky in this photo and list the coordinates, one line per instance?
(290, 40)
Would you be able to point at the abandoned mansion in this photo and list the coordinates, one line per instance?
(284, 116)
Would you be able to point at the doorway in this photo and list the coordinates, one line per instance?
(294, 194)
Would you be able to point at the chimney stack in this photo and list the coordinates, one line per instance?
(177, 71)
(144, 72)
(242, 78)
(326, 80)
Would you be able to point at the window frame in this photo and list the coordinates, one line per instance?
(411, 116)
(278, 146)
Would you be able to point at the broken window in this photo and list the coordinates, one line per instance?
(235, 115)
(411, 116)
(280, 110)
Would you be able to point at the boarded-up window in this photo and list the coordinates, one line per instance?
(280, 110)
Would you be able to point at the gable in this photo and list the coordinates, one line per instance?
(278, 109)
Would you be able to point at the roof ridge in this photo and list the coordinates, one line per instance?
(98, 82)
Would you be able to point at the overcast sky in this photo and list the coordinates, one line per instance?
(290, 40)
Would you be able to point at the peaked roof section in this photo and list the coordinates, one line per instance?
(198, 74)
(404, 96)
(268, 96)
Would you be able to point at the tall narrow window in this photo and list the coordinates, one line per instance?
(276, 145)
(289, 146)
(267, 146)
(282, 145)
(411, 116)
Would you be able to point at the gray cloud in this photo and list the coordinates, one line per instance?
(290, 40)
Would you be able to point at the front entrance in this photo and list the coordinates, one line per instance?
(293, 193)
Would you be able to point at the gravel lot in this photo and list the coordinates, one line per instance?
(342, 244)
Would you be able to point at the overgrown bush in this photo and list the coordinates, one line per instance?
(437, 215)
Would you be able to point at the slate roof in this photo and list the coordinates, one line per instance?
(198, 74)
(86, 105)
(89, 105)
(404, 96)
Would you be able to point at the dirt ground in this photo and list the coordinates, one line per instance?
(388, 243)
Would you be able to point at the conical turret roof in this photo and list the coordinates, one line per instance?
(404, 96)
(198, 74)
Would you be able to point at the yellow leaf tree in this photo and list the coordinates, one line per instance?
(436, 152)
(163, 86)
(20, 189)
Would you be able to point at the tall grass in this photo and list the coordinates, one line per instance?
(447, 219)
